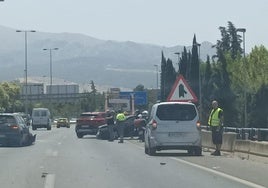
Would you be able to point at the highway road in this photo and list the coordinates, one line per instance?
(59, 159)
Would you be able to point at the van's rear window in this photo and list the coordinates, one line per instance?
(180, 112)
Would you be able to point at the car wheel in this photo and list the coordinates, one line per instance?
(33, 127)
(79, 135)
(58, 126)
(49, 128)
(145, 149)
(198, 151)
(20, 141)
(68, 126)
(151, 150)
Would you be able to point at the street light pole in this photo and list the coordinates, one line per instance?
(178, 53)
(26, 68)
(156, 66)
(243, 30)
(50, 63)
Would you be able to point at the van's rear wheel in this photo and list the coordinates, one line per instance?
(198, 151)
(49, 128)
(151, 150)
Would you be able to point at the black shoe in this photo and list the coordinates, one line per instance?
(218, 153)
(214, 153)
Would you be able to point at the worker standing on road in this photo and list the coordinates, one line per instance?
(110, 124)
(215, 121)
(120, 118)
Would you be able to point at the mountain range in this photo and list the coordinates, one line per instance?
(81, 58)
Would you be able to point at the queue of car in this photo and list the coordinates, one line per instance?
(170, 125)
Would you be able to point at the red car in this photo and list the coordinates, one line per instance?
(88, 123)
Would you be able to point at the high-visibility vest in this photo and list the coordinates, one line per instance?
(120, 117)
(214, 119)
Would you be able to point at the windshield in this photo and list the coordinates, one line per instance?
(133, 94)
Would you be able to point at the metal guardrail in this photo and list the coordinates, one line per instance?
(255, 134)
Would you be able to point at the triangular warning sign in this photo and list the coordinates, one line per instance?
(181, 91)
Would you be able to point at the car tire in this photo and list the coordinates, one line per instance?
(34, 128)
(151, 150)
(20, 141)
(68, 126)
(49, 128)
(145, 149)
(58, 126)
(198, 151)
(79, 135)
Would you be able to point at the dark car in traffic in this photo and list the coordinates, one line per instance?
(14, 130)
(129, 129)
(88, 123)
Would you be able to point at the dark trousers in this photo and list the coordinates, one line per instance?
(121, 130)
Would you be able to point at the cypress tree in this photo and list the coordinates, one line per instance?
(170, 77)
(194, 71)
(163, 77)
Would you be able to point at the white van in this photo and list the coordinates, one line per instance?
(41, 118)
(173, 125)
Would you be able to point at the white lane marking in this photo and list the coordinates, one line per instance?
(49, 181)
(245, 182)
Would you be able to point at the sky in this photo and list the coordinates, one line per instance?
(161, 22)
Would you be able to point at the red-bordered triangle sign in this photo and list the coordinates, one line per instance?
(181, 91)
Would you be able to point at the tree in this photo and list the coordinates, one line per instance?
(10, 97)
(139, 87)
(194, 71)
(163, 77)
(259, 115)
(170, 77)
(183, 63)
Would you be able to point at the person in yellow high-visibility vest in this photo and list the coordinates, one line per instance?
(120, 118)
(215, 121)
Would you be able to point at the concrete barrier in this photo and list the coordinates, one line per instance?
(231, 144)
(252, 147)
(228, 142)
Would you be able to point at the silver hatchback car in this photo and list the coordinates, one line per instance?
(173, 125)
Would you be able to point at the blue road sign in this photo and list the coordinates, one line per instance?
(140, 97)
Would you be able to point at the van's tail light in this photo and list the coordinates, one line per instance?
(154, 124)
(198, 124)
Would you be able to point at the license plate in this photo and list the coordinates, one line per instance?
(174, 134)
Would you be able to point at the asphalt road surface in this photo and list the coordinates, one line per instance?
(59, 159)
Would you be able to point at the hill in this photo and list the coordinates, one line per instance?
(82, 58)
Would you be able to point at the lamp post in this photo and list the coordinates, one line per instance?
(243, 30)
(50, 63)
(156, 66)
(178, 54)
(26, 68)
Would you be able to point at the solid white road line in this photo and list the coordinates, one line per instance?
(49, 181)
(245, 182)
